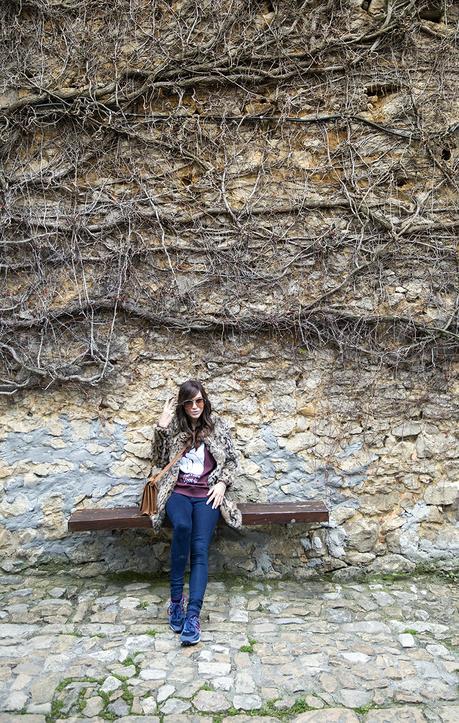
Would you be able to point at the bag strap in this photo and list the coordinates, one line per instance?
(155, 480)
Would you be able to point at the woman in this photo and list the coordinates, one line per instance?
(193, 493)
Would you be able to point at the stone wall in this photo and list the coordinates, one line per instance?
(380, 448)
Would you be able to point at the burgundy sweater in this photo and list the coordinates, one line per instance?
(194, 470)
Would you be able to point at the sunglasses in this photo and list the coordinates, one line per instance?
(191, 402)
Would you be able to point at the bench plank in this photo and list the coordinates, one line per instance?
(122, 518)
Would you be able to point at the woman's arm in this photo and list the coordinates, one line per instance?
(160, 449)
(231, 467)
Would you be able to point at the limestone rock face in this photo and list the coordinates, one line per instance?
(388, 513)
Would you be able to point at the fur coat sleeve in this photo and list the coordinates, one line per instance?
(160, 450)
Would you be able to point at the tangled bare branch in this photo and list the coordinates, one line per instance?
(226, 167)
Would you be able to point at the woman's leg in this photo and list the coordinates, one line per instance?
(204, 522)
(179, 510)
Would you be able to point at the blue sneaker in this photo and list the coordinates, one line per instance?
(176, 613)
(191, 633)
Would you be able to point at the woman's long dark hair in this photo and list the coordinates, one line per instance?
(204, 425)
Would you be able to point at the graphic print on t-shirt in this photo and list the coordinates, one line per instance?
(192, 465)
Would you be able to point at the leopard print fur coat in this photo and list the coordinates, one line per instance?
(168, 442)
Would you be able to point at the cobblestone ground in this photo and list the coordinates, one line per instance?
(100, 649)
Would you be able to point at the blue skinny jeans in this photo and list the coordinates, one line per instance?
(193, 523)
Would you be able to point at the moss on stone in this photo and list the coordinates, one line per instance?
(56, 708)
(248, 648)
(267, 710)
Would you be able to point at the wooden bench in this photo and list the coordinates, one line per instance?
(122, 518)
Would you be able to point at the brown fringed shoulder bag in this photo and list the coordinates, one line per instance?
(149, 502)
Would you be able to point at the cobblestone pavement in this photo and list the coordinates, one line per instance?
(100, 649)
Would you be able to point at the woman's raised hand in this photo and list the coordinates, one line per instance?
(167, 413)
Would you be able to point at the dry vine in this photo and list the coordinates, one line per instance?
(226, 166)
